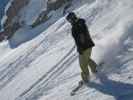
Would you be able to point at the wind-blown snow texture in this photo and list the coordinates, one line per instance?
(46, 67)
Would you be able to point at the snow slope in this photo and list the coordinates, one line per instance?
(46, 67)
(30, 13)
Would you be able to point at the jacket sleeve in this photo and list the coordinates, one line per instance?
(83, 31)
(76, 38)
(83, 26)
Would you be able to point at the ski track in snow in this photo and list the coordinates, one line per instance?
(13, 68)
(41, 85)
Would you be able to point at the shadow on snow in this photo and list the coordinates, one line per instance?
(117, 89)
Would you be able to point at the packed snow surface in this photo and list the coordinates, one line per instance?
(46, 67)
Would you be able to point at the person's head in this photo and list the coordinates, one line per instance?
(71, 17)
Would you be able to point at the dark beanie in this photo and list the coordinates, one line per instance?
(71, 15)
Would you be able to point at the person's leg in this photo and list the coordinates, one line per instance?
(92, 63)
(83, 61)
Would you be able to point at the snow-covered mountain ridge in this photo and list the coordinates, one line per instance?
(46, 67)
(21, 13)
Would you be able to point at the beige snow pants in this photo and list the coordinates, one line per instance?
(85, 61)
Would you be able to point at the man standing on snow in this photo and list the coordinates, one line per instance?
(84, 44)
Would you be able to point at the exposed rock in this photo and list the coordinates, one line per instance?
(55, 4)
(12, 23)
(43, 17)
(2, 35)
(51, 5)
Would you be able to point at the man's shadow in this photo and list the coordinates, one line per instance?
(119, 90)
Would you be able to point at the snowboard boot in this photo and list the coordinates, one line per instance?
(85, 79)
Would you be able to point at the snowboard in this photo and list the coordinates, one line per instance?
(81, 83)
(94, 78)
(78, 87)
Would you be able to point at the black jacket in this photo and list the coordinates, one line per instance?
(81, 35)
